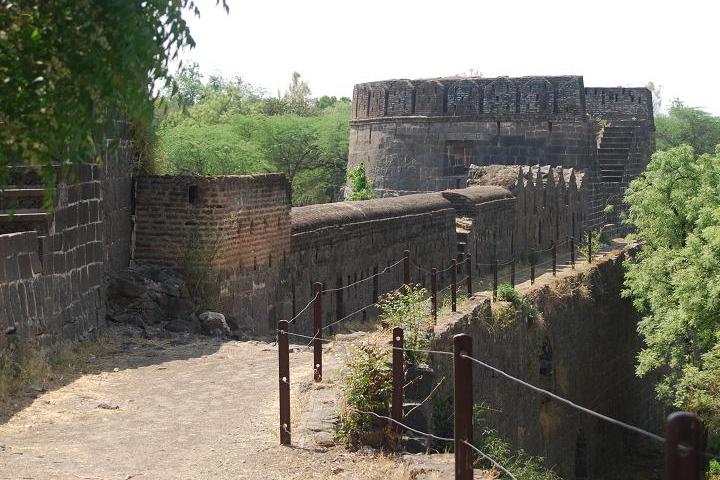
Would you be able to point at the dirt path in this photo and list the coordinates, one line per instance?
(203, 410)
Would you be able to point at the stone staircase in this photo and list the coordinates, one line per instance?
(613, 152)
(462, 230)
(21, 203)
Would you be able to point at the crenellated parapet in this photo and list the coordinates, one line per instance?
(501, 97)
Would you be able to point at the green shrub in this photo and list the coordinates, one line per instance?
(409, 308)
(197, 269)
(360, 187)
(366, 386)
(507, 292)
(519, 463)
(505, 314)
(207, 150)
(714, 470)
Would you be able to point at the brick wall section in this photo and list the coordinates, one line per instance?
(338, 244)
(241, 223)
(585, 309)
(247, 216)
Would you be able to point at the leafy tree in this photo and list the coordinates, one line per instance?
(360, 188)
(208, 150)
(686, 125)
(311, 148)
(297, 95)
(291, 143)
(66, 64)
(189, 85)
(675, 278)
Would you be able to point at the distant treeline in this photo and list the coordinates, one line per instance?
(219, 126)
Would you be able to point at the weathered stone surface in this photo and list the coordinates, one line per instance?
(422, 135)
(583, 350)
(213, 324)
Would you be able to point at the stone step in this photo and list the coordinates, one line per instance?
(620, 128)
(611, 171)
(611, 150)
(24, 219)
(605, 154)
(615, 143)
(21, 198)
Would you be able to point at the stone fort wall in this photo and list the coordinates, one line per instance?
(53, 270)
(268, 256)
(423, 135)
(583, 309)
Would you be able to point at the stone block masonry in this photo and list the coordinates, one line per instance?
(52, 285)
(239, 226)
(339, 244)
(423, 135)
(583, 349)
(267, 256)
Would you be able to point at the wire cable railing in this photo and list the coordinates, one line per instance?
(442, 439)
(385, 270)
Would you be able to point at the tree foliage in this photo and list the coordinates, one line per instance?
(675, 278)
(304, 138)
(686, 125)
(65, 64)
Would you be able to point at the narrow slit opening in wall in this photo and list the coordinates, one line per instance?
(192, 194)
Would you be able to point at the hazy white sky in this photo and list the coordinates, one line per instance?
(335, 44)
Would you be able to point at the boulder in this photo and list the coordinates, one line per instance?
(213, 324)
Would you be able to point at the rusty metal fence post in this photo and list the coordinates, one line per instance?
(532, 266)
(398, 378)
(284, 381)
(453, 288)
(406, 268)
(495, 279)
(553, 246)
(684, 444)
(463, 405)
(468, 272)
(572, 252)
(318, 337)
(433, 293)
(512, 271)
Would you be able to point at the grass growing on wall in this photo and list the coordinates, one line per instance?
(517, 304)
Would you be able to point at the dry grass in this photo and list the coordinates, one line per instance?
(26, 367)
